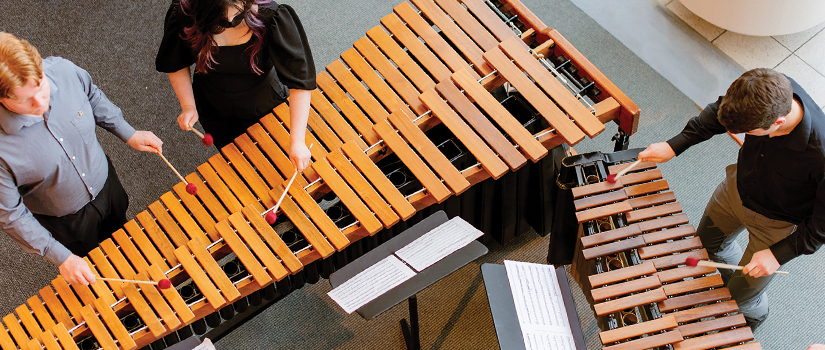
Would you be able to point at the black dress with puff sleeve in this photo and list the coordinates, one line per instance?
(231, 97)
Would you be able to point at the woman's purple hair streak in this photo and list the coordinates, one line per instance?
(205, 17)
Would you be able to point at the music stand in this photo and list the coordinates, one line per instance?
(503, 307)
(409, 288)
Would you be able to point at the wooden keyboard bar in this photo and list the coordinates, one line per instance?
(599, 200)
(603, 211)
(307, 228)
(288, 258)
(527, 143)
(238, 247)
(233, 182)
(216, 209)
(153, 296)
(468, 23)
(417, 49)
(98, 329)
(652, 213)
(413, 162)
(656, 295)
(457, 37)
(213, 180)
(109, 317)
(365, 191)
(649, 342)
(275, 154)
(632, 331)
(264, 255)
(670, 247)
(143, 309)
(615, 169)
(610, 235)
(336, 121)
(130, 250)
(347, 196)
(388, 97)
(684, 301)
(212, 268)
(749, 346)
(157, 235)
(27, 320)
(647, 188)
(697, 313)
(63, 336)
(146, 247)
(651, 200)
(168, 224)
(248, 173)
(42, 314)
(56, 307)
(258, 159)
(68, 297)
(676, 288)
(629, 117)
(482, 125)
(405, 63)
(118, 260)
(679, 259)
(489, 18)
(612, 248)
(281, 136)
(669, 234)
(663, 222)
(626, 180)
(198, 275)
(347, 106)
(391, 74)
(514, 48)
(716, 324)
(172, 296)
(48, 341)
(16, 331)
(425, 147)
(619, 289)
(604, 278)
(680, 273)
(280, 122)
(321, 220)
(434, 40)
(379, 180)
(711, 341)
(564, 126)
(488, 159)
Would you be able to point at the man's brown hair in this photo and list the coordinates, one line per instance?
(19, 62)
(755, 100)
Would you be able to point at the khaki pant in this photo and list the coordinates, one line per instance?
(724, 218)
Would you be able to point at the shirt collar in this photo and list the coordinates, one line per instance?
(798, 138)
(12, 122)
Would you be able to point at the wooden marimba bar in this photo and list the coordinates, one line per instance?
(635, 241)
(415, 113)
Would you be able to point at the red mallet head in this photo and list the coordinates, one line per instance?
(270, 217)
(191, 189)
(164, 284)
(207, 140)
(611, 178)
(691, 261)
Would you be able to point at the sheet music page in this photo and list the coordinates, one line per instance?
(438, 243)
(539, 306)
(371, 283)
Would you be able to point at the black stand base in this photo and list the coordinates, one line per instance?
(410, 330)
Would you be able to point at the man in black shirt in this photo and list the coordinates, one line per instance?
(776, 190)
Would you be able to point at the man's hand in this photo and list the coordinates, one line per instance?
(76, 271)
(658, 152)
(299, 155)
(188, 116)
(816, 347)
(762, 263)
(145, 141)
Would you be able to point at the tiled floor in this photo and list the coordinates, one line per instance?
(801, 55)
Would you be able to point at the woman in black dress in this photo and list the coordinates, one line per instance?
(249, 56)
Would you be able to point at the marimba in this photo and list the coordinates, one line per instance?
(633, 247)
(443, 95)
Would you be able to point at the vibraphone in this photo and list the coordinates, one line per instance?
(633, 247)
(441, 96)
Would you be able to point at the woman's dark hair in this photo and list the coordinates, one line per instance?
(207, 17)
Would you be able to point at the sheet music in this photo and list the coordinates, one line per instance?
(371, 283)
(438, 243)
(539, 306)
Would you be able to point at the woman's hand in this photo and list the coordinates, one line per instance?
(188, 116)
(299, 155)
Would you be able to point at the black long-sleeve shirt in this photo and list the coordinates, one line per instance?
(780, 177)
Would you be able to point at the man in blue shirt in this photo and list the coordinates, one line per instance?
(776, 190)
(59, 194)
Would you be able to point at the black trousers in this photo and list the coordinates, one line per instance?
(95, 222)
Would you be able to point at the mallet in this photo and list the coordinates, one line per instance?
(162, 284)
(613, 177)
(270, 215)
(190, 188)
(206, 139)
(691, 261)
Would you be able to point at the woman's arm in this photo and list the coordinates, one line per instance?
(299, 154)
(182, 84)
